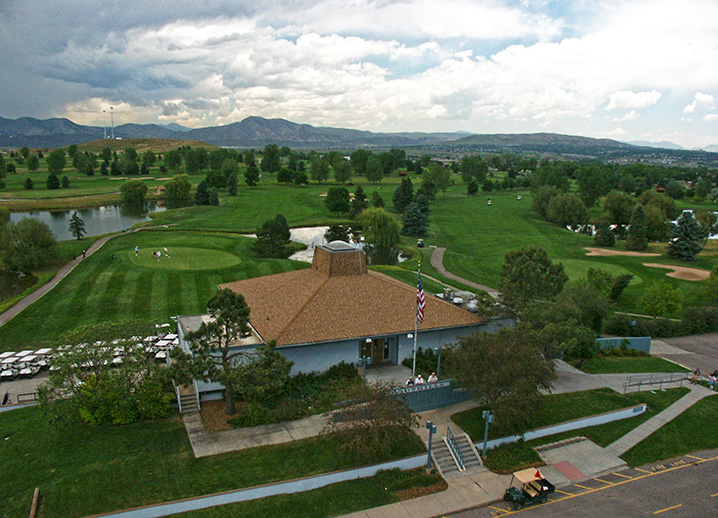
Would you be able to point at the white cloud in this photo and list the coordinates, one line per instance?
(701, 103)
(626, 117)
(626, 100)
(711, 117)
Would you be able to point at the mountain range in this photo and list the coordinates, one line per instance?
(255, 132)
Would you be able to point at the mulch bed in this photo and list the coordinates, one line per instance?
(414, 492)
(214, 416)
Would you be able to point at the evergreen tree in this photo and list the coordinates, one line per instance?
(214, 197)
(604, 236)
(337, 233)
(337, 200)
(273, 238)
(201, 197)
(232, 184)
(376, 200)
(685, 238)
(53, 182)
(415, 221)
(65, 182)
(77, 226)
(403, 195)
(359, 202)
(28, 183)
(472, 187)
(637, 230)
(270, 159)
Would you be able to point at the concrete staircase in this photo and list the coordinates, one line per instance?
(188, 400)
(462, 459)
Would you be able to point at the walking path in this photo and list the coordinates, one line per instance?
(61, 274)
(437, 261)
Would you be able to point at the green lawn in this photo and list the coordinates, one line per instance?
(82, 470)
(102, 288)
(513, 457)
(628, 364)
(693, 430)
(556, 408)
(336, 500)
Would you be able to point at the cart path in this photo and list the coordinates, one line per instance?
(61, 274)
(437, 261)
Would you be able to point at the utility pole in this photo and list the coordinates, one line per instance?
(112, 121)
(104, 123)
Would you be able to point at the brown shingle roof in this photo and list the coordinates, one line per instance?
(309, 305)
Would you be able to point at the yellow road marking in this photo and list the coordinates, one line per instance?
(668, 509)
(565, 493)
(604, 481)
(694, 457)
(714, 495)
(622, 475)
(582, 487)
(640, 477)
(498, 509)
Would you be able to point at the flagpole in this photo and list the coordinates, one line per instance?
(416, 332)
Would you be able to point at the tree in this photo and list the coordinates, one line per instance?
(358, 160)
(415, 222)
(319, 169)
(173, 159)
(65, 182)
(337, 233)
(213, 358)
(134, 191)
(403, 195)
(528, 274)
(712, 287)
(337, 200)
(33, 163)
(359, 202)
(214, 197)
(232, 184)
(637, 230)
(619, 207)
(56, 161)
(365, 423)
(604, 236)
(30, 245)
(177, 191)
(86, 382)
(381, 232)
(376, 200)
(543, 197)
(342, 171)
(263, 376)
(251, 175)
(473, 169)
(270, 159)
(566, 209)
(201, 195)
(373, 170)
(685, 238)
(77, 226)
(505, 371)
(584, 304)
(28, 183)
(661, 299)
(438, 175)
(273, 238)
(53, 182)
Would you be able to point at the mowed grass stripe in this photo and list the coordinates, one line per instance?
(174, 293)
(114, 295)
(141, 299)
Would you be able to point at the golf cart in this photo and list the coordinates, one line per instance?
(534, 488)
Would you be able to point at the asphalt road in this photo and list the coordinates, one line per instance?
(686, 487)
(702, 351)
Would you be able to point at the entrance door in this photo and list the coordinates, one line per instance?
(377, 355)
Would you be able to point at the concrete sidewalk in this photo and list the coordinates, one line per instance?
(639, 433)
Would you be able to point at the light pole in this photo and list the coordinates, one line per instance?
(488, 418)
(432, 430)
(364, 360)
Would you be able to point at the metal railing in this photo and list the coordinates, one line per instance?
(655, 379)
(28, 397)
(451, 441)
(196, 393)
(177, 395)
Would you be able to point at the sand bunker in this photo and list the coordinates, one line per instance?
(603, 252)
(682, 272)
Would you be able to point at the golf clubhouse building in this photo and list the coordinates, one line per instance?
(338, 311)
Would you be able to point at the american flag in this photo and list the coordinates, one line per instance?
(420, 299)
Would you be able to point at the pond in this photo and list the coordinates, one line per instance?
(98, 220)
(313, 236)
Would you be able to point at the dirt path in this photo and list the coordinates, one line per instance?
(685, 273)
(437, 261)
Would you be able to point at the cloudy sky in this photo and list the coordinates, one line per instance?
(623, 69)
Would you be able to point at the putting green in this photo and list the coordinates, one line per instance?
(183, 258)
(577, 268)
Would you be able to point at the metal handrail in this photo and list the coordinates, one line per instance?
(196, 393)
(655, 379)
(451, 441)
(177, 394)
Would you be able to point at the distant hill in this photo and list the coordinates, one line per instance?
(257, 132)
(664, 144)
